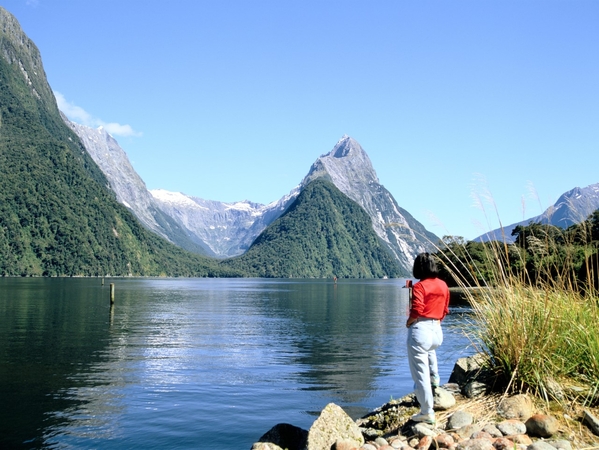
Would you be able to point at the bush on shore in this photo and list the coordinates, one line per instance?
(537, 312)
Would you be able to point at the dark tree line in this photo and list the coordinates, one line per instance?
(541, 254)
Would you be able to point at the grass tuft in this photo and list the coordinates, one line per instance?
(536, 309)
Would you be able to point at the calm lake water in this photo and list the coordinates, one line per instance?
(197, 363)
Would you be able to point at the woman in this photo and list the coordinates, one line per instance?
(429, 306)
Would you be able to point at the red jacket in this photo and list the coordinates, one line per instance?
(430, 299)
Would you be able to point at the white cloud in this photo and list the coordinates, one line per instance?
(116, 129)
(77, 114)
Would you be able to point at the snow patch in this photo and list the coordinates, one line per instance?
(174, 198)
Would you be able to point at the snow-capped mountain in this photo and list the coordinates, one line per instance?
(573, 207)
(228, 229)
(130, 189)
(350, 169)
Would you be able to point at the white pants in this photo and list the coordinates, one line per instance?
(423, 338)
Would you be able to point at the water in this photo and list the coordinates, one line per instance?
(197, 363)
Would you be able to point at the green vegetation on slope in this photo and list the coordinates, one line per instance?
(57, 216)
(538, 312)
(323, 234)
(540, 254)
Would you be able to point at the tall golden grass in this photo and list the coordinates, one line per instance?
(540, 333)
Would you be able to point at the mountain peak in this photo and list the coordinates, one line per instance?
(349, 168)
(346, 164)
(345, 147)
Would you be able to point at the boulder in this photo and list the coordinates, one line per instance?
(492, 430)
(459, 419)
(561, 444)
(541, 425)
(444, 441)
(523, 439)
(540, 445)
(475, 389)
(476, 444)
(502, 443)
(266, 446)
(467, 431)
(333, 425)
(516, 407)
(591, 421)
(282, 435)
(424, 443)
(511, 426)
(345, 444)
(443, 399)
(423, 429)
(467, 369)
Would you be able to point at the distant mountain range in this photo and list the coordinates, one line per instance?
(229, 229)
(571, 208)
(71, 204)
(322, 231)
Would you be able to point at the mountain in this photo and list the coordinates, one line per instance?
(57, 216)
(323, 234)
(573, 207)
(130, 189)
(349, 168)
(227, 229)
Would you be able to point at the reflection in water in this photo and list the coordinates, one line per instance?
(347, 331)
(50, 329)
(176, 359)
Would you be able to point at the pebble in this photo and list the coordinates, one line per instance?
(505, 435)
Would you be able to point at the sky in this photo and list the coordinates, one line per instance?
(473, 113)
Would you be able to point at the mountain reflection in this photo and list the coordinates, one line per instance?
(51, 329)
(175, 359)
(347, 331)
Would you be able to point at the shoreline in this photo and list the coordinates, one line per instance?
(468, 417)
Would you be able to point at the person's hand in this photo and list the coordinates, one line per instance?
(411, 321)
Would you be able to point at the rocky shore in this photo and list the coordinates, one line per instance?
(467, 418)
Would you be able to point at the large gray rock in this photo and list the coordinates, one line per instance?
(443, 399)
(516, 407)
(467, 431)
(467, 369)
(333, 425)
(561, 444)
(511, 427)
(459, 419)
(591, 421)
(540, 445)
(475, 444)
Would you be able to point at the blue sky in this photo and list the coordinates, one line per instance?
(457, 103)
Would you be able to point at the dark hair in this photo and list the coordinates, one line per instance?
(425, 266)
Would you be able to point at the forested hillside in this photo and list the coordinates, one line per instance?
(57, 216)
(323, 234)
(540, 254)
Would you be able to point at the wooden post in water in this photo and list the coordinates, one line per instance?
(102, 281)
(111, 293)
